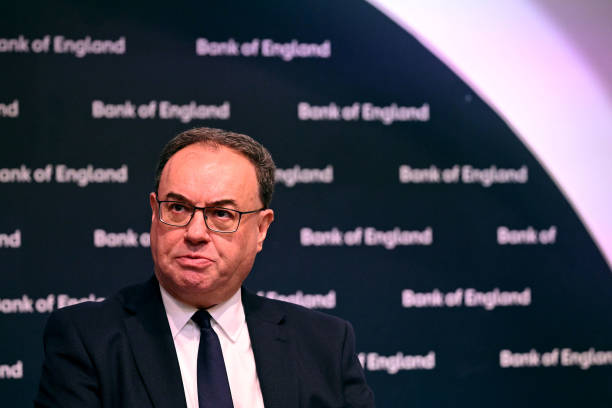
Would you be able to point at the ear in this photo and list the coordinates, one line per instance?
(154, 206)
(265, 219)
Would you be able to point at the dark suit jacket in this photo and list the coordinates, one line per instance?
(120, 353)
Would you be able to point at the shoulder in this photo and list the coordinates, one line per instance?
(297, 317)
(91, 317)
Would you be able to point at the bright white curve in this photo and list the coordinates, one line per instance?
(520, 63)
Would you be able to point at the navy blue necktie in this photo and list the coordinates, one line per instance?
(213, 386)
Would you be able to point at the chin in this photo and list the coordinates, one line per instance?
(196, 283)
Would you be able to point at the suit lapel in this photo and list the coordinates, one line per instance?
(151, 340)
(273, 351)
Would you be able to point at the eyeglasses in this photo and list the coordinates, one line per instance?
(218, 219)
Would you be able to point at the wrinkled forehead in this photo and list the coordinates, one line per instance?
(210, 172)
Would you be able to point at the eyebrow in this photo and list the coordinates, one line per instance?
(218, 203)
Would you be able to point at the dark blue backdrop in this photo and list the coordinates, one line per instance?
(403, 204)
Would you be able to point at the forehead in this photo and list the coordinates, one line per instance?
(206, 174)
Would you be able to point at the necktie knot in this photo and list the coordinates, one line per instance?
(202, 319)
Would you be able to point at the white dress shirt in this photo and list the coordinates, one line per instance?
(229, 323)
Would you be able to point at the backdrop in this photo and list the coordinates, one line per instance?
(404, 203)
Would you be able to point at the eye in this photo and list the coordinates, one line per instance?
(177, 207)
(222, 213)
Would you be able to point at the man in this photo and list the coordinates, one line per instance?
(191, 336)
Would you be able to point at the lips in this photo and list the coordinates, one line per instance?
(193, 261)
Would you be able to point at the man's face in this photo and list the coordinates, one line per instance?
(194, 264)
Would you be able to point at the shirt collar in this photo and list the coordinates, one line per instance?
(229, 315)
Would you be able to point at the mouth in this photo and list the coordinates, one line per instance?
(193, 261)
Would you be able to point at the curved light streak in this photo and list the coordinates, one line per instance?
(515, 58)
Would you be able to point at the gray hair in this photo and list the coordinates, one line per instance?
(246, 145)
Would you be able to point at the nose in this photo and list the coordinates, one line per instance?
(196, 231)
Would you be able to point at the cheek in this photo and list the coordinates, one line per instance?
(239, 252)
(162, 242)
